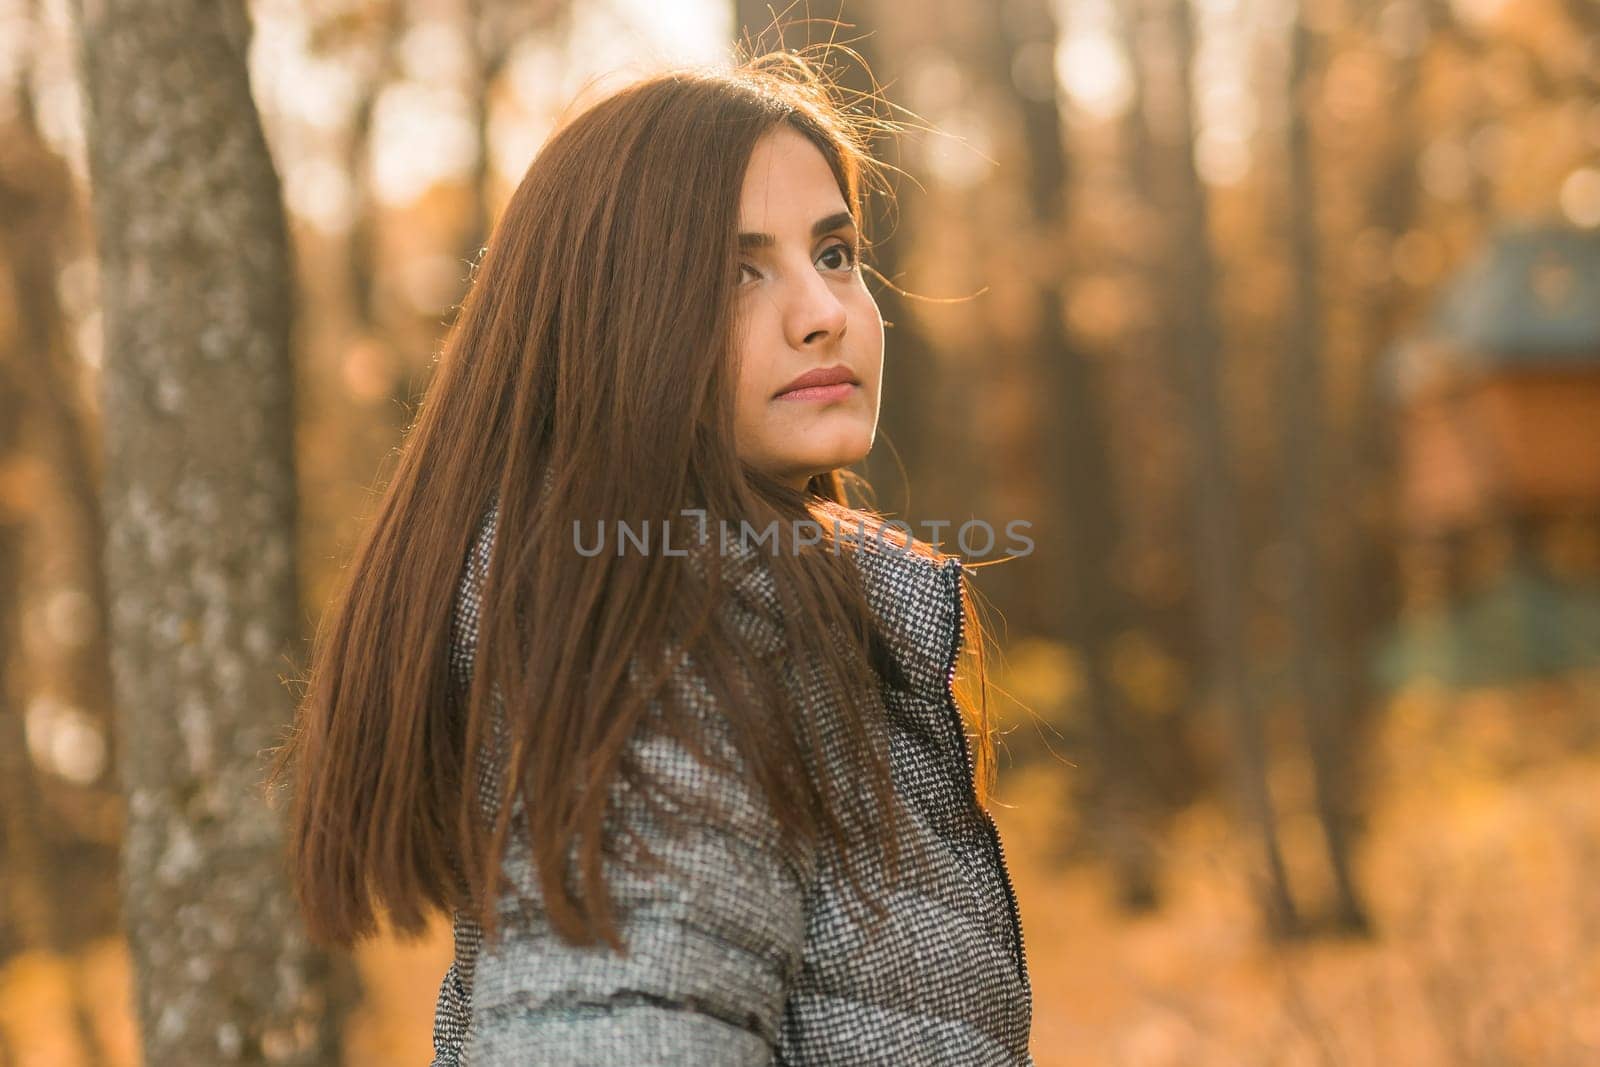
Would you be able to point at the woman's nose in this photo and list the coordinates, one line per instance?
(815, 315)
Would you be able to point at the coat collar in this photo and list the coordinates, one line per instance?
(914, 593)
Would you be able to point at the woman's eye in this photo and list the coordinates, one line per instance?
(747, 273)
(843, 257)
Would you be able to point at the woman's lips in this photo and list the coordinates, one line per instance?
(820, 393)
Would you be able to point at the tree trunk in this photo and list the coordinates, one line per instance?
(200, 508)
(1304, 496)
(35, 220)
(54, 830)
(1364, 565)
(1221, 572)
(361, 237)
(1094, 609)
(910, 369)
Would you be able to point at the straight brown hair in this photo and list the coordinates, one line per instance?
(589, 375)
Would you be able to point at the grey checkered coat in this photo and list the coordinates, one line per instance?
(748, 955)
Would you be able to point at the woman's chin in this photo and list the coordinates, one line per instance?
(839, 446)
(823, 461)
(804, 455)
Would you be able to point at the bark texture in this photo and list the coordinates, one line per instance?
(200, 510)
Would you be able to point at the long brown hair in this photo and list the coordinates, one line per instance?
(589, 375)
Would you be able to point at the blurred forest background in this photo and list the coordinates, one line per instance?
(1279, 321)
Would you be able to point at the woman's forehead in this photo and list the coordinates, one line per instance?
(788, 186)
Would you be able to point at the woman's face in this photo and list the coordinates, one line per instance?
(801, 306)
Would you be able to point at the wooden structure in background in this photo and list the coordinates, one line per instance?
(1500, 396)
(1497, 402)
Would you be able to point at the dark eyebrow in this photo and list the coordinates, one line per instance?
(838, 220)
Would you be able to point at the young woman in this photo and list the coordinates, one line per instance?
(620, 678)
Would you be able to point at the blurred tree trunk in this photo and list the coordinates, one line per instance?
(361, 237)
(1170, 612)
(1305, 501)
(1166, 28)
(490, 49)
(1584, 16)
(200, 508)
(753, 23)
(29, 911)
(36, 916)
(493, 30)
(1365, 470)
(55, 831)
(910, 373)
(1094, 609)
(38, 189)
(1364, 563)
(37, 913)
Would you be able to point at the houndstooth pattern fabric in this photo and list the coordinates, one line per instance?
(743, 954)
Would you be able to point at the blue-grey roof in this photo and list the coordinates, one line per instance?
(1530, 298)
